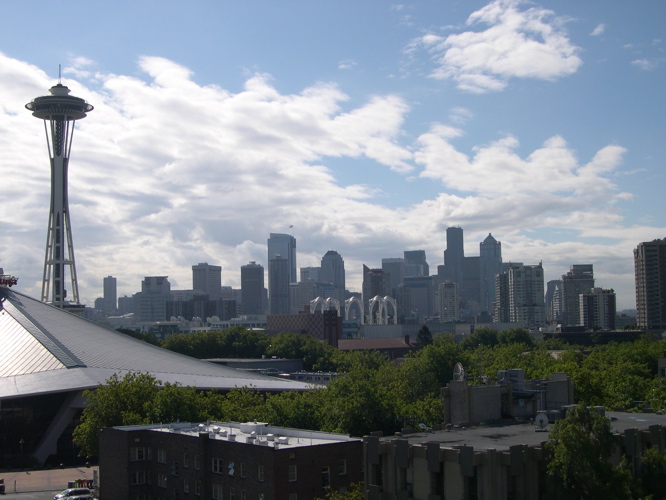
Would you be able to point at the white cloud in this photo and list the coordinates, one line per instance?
(598, 30)
(515, 43)
(646, 64)
(346, 64)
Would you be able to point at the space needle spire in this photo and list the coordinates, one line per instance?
(59, 112)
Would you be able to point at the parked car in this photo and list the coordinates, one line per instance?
(73, 493)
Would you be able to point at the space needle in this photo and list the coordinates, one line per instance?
(59, 112)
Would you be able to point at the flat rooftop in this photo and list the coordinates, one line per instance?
(251, 433)
(502, 436)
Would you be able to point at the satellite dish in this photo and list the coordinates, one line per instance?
(541, 421)
(459, 373)
(423, 427)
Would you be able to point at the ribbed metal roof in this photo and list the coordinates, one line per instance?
(45, 349)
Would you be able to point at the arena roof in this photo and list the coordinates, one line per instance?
(44, 349)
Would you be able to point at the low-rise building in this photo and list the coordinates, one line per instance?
(225, 460)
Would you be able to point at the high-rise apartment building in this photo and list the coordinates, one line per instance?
(375, 283)
(252, 288)
(597, 309)
(110, 295)
(278, 285)
(519, 296)
(554, 301)
(448, 302)
(579, 279)
(283, 245)
(310, 273)
(490, 253)
(208, 279)
(333, 272)
(650, 273)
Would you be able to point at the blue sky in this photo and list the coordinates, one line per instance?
(368, 126)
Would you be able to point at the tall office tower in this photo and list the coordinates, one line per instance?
(252, 288)
(394, 269)
(285, 246)
(650, 272)
(597, 309)
(415, 263)
(208, 279)
(454, 255)
(501, 306)
(448, 302)
(153, 298)
(470, 288)
(278, 285)
(416, 298)
(554, 301)
(333, 271)
(110, 295)
(490, 253)
(579, 279)
(59, 112)
(310, 273)
(375, 283)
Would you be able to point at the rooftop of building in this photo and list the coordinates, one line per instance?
(251, 433)
(44, 349)
(503, 436)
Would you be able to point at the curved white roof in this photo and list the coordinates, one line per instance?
(44, 349)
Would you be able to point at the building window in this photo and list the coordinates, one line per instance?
(260, 473)
(262, 496)
(232, 494)
(197, 487)
(218, 467)
(242, 469)
(162, 480)
(137, 454)
(186, 460)
(243, 495)
(186, 485)
(161, 455)
(137, 477)
(325, 476)
(293, 473)
(197, 462)
(293, 496)
(342, 467)
(217, 492)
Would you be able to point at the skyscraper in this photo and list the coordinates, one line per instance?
(333, 271)
(208, 279)
(278, 285)
(448, 302)
(490, 252)
(415, 263)
(110, 295)
(59, 112)
(650, 273)
(579, 279)
(283, 245)
(252, 288)
(454, 255)
(153, 297)
(597, 309)
(519, 295)
(394, 268)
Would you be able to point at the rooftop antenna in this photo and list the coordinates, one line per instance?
(59, 74)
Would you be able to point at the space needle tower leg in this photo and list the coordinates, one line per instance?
(59, 111)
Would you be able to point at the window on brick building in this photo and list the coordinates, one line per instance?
(325, 476)
(137, 454)
(293, 473)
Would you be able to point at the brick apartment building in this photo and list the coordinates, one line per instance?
(230, 461)
(322, 325)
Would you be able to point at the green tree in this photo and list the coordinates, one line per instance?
(580, 447)
(355, 493)
(121, 401)
(481, 337)
(424, 337)
(316, 355)
(653, 473)
(515, 336)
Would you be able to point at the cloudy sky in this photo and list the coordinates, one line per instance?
(369, 127)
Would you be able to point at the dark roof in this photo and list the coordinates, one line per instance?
(44, 349)
(384, 343)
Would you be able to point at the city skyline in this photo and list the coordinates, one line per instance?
(368, 129)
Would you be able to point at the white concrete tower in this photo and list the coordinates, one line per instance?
(59, 112)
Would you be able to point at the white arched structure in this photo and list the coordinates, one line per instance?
(326, 304)
(348, 306)
(382, 310)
